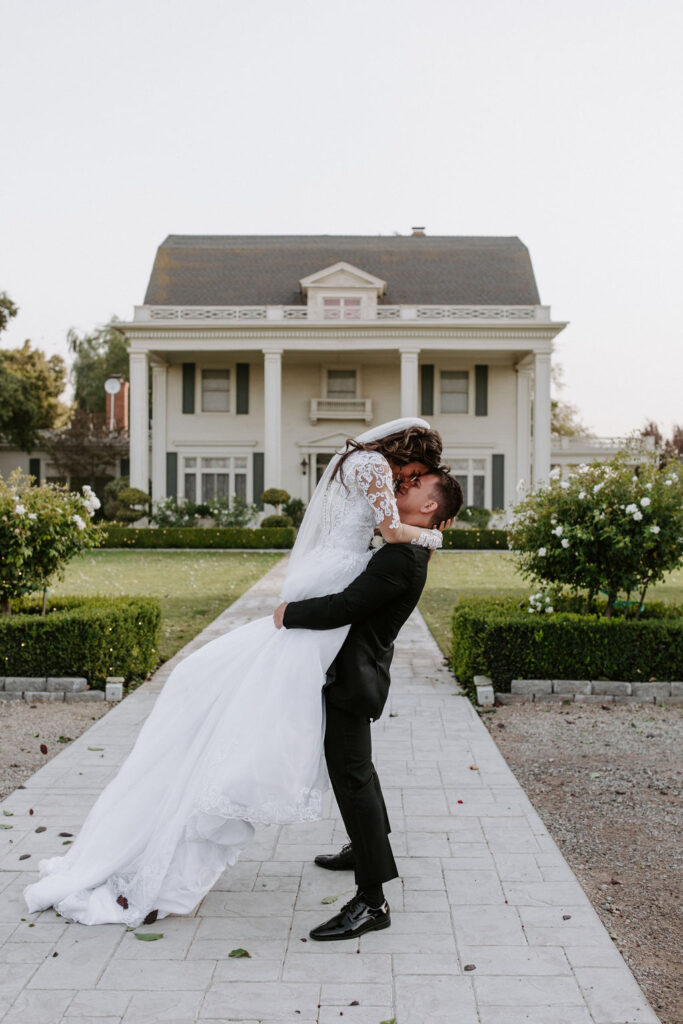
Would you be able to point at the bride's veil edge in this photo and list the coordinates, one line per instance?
(310, 533)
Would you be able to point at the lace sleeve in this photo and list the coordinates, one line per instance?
(432, 539)
(374, 478)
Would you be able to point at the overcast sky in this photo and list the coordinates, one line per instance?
(560, 122)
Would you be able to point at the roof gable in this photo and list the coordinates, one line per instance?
(342, 275)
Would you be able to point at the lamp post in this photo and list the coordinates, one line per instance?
(112, 386)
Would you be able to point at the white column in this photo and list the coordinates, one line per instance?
(409, 403)
(159, 440)
(139, 420)
(523, 428)
(272, 363)
(541, 417)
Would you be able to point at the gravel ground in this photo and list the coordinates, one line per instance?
(607, 783)
(24, 727)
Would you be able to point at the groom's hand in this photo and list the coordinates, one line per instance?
(279, 614)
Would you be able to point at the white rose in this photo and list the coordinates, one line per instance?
(630, 509)
(648, 487)
(558, 531)
(654, 529)
(674, 476)
(542, 552)
(20, 509)
(637, 515)
(32, 515)
(644, 502)
(554, 473)
(79, 522)
(564, 485)
(565, 542)
(582, 495)
(667, 483)
(550, 608)
(598, 487)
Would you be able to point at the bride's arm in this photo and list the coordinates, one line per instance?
(376, 482)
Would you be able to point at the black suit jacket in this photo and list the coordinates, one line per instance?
(376, 603)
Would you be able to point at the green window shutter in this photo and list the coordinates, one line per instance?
(125, 467)
(259, 477)
(242, 375)
(481, 391)
(497, 481)
(188, 387)
(172, 475)
(34, 469)
(427, 389)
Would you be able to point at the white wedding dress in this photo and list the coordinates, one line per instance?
(235, 737)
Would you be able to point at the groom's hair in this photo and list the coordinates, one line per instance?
(447, 493)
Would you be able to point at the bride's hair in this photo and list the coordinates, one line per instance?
(416, 444)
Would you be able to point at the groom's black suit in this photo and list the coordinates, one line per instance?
(376, 603)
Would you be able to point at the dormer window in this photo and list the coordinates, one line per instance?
(341, 309)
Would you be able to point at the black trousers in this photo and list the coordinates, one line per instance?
(348, 751)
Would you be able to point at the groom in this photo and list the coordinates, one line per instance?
(376, 604)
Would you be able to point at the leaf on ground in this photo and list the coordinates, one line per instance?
(238, 953)
(149, 936)
(67, 842)
(41, 828)
(330, 899)
(470, 967)
(43, 748)
(392, 1020)
(473, 768)
(63, 834)
(95, 748)
(25, 856)
(393, 714)
(8, 814)
(6, 826)
(595, 775)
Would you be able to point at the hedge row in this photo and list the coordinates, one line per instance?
(198, 537)
(500, 639)
(469, 540)
(93, 637)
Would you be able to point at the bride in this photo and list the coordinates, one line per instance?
(236, 735)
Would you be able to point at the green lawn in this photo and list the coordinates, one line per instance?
(457, 574)
(192, 586)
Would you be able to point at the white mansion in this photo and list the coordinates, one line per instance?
(267, 352)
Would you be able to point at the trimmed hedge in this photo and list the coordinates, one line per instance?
(197, 537)
(469, 540)
(93, 637)
(497, 637)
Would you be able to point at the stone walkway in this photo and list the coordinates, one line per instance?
(489, 925)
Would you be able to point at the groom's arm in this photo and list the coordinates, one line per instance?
(388, 574)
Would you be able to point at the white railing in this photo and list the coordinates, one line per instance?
(225, 314)
(341, 409)
(576, 444)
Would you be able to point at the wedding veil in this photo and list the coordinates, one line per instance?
(310, 535)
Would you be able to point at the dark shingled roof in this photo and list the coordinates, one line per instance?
(246, 270)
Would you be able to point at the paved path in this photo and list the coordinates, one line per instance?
(482, 883)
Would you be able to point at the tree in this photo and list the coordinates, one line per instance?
(86, 450)
(101, 354)
(670, 447)
(606, 528)
(564, 421)
(30, 386)
(7, 310)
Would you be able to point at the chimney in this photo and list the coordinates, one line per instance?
(117, 408)
(418, 232)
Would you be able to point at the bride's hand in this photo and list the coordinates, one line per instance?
(446, 524)
(279, 615)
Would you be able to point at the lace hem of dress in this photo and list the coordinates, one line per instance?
(307, 807)
(432, 539)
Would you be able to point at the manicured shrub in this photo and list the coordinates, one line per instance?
(295, 509)
(270, 522)
(93, 637)
(479, 540)
(472, 515)
(124, 503)
(497, 637)
(224, 512)
(197, 537)
(275, 496)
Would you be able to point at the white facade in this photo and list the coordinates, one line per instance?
(247, 397)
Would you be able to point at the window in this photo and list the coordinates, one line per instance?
(341, 383)
(471, 475)
(341, 309)
(210, 477)
(215, 390)
(454, 390)
(321, 464)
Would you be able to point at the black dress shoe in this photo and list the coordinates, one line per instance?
(342, 861)
(355, 918)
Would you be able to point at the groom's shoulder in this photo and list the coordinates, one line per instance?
(401, 554)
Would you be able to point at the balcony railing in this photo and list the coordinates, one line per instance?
(570, 445)
(341, 409)
(430, 313)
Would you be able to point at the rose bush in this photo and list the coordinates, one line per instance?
(41, 529)
(605, 528)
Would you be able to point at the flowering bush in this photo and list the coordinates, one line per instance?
(224, 512)
(605, 528)
(41, 528)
